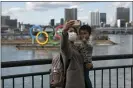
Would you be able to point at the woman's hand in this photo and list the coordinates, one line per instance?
(68, 25)
(89, 65)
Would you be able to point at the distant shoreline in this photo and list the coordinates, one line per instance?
(104, 42)
(29, 42)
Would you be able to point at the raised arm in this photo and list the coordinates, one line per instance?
(65, 43)
(65, 46)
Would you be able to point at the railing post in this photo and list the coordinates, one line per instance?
(2, 83)
(41, 81)
(32, 81)
(131, 77)
(23, 82)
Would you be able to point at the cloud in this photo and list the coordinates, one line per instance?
(80, 9)
(13, 10)
(40, 6)
(43, 6)
(16, 9)
(121, 4)
(51, 17)
(74, 6)
(83, 17)
(111, 20)
(37, 6)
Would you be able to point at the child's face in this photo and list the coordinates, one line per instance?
(84, 35)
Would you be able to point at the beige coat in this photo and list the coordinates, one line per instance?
(75, 71)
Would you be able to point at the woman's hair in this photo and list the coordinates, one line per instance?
(75, 30)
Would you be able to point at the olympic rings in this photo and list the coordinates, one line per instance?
(56, 31)
(60, 26)
(57, 35)
(32, 29)
(42, 43)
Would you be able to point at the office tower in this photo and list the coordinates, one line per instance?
(6, 21)
(70, 14)
(52, 22)
(94, 18)
(12, 23)
(61, 21)
(3, 19)
(103, 17)
(123, 13)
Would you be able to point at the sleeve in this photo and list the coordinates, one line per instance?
(87, 54)
(65, 46)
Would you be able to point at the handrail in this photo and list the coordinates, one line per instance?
(49, 60)
(48, 72)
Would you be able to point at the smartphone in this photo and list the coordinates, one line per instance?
(76, 23)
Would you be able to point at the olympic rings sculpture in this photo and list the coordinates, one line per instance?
(36, 37)
(57, 32)
(57, 35)
(46, 41)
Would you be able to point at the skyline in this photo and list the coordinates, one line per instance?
(43, 12)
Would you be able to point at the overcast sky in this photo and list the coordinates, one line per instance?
(42, 12)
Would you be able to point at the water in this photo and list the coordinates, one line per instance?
(125, 46)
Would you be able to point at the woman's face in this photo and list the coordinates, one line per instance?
(72, 34)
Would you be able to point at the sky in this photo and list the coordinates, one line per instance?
(40, 13)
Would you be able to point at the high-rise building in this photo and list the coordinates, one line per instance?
(12, 23)
(123, 13)
(61, 21)
(4, 19)
(52, 22)
(70, 14)
(94, 18)
(103, 17)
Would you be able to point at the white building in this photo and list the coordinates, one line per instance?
(118, 23)
(121, 23)
(94, 18)
(22, 27)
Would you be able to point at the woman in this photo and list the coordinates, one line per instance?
(71, 56)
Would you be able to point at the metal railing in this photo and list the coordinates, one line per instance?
(93, 71)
